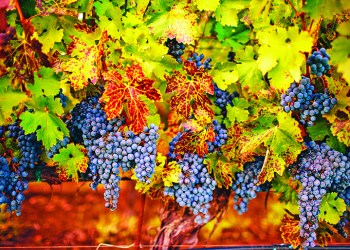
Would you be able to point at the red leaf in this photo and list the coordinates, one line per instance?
(126, 89)
(191, 87)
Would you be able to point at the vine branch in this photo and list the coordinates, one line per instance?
(19, 10)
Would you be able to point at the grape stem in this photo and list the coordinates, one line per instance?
(299, 14)
(19, 10)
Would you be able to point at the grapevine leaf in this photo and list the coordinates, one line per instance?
(190, 88)
(227, 12)
(287, 187)
(195, 142)
(171, 174)
(320, 131)
(341, 56)
(46, 82)
(71, 160)
(326, 8)
(290, 231)
(238, 112)
(207, 5)
(128, 88)
(325, 233)
(225, 74)
(284, 66)
(48, 31)
(109, 18)
(248, 70)
(177, 23)
(84, 63)
(9, 99)
(283, 144)
(221, 170)
(339, 117)
(332, 207)
(44, 120)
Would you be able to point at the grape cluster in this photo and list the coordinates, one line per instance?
(300, 98)
(223, 98)
(109, 149)
(195, 187)
(55, 148)
(12, 186)
(245, 184)
(63, 98)
(175, 49)
(199, 60)
(319, 169)
(30, 148)
(319, 62)
(89, 121)
(220, 137)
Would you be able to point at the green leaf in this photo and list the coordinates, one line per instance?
(248, 70)
(44, 120)
(341, 56)
(207, 5)
(321, 130)
(225, 74)
(227, 12)
(287, 188)
(46, 82)
(9, 99)
(71, 160)
(326, 8)
(222, 170)
(332, 207)
(282, 144)
(238, 112)
(283, 65)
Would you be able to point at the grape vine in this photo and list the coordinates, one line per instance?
(189, 100)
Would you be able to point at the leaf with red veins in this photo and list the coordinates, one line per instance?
(192, 87)
(127, 89)
(191, 142)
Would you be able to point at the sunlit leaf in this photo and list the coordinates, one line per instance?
(44, 120)
(71, 160)
(332, 207)
(191, 87)
(124, 92)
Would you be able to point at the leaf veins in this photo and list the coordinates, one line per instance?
(191, 89)
(127, 89)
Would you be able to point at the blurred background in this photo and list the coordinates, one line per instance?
(72, 214)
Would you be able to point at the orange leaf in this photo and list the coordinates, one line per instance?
(190, 88)
(290, 231)
(127, 89)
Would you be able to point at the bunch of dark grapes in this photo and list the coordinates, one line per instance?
(245, 185)
(63, 98)
(122, 150)
(220, 137)
(319, 62)
(199, 61)
(89, 121)
(300, 98)
(12, 186)
(30, 148)
(319, 169)
(175, 49)
(55, 148)
(195, 187)
(223, 98)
